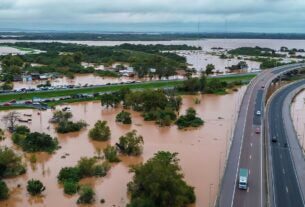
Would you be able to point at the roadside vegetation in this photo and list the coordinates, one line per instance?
(103, 89)
(159, 182)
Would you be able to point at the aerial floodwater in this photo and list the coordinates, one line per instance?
(202, 151)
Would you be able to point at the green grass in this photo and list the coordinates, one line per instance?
(110, 88)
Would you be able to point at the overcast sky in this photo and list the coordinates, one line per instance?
(155, 15)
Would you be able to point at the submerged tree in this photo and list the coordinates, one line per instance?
(4, 191)
(123, 117)
(10, 163)
(131, 143)
(35, 187)
(189, 120)
(159, 183)
(11, 119)
(100, 132)
(86, 195)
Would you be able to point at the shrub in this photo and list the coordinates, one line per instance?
(35, 187)
(61, 116)
(69, 126)
(70, 187)
(131, 143)
(101, 169)
(69, 174)
(86, 166)
(123, 117)
(86, 195)
(19, 134)
(4, 191)
(39, 142)
(10, 163)
(189, 120)
(111, 154)
(100, 132)
(2, 136)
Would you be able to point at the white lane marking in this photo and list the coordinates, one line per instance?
(286, 189)
(283, 171)
(249, 172)
(281, 156)
(251, 144)
(250, 157)
(248, 189)
(251, 89)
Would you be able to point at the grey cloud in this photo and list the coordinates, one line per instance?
(254, 14)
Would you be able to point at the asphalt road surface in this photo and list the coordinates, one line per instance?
(285, 182)
(247, 147)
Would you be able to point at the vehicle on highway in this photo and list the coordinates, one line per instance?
(243, 178)
(257, 130)
(258, 113)
(274, 139)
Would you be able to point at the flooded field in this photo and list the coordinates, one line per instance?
(196, 59)
(202, 151)
(298, 111)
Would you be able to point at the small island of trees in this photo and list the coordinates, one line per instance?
(34, 142)
(100, 132)
(131, 143)
(159, 182)
(189, 119)
(64, 124)
(86, 167)
(123, 117)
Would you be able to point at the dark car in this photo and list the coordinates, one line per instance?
(257, 130)
(274, 139)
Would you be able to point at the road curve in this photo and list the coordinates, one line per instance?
(286, 154)
(247, 147)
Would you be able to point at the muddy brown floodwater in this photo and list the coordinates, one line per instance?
(202, 152)
(298, 112)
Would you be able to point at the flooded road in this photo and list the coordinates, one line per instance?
(298, 112)
(202, 151)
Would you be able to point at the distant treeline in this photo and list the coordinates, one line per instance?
(142, 36)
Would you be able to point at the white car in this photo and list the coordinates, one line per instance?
(258, 113)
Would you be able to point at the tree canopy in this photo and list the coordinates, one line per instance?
(131, 143)
(159, 183)
(100, 132)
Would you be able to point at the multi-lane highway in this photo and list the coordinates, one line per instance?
(247, 147)
(285, 183)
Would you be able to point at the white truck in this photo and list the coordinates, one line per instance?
(243, 178)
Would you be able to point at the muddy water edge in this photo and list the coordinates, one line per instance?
(202, 151)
